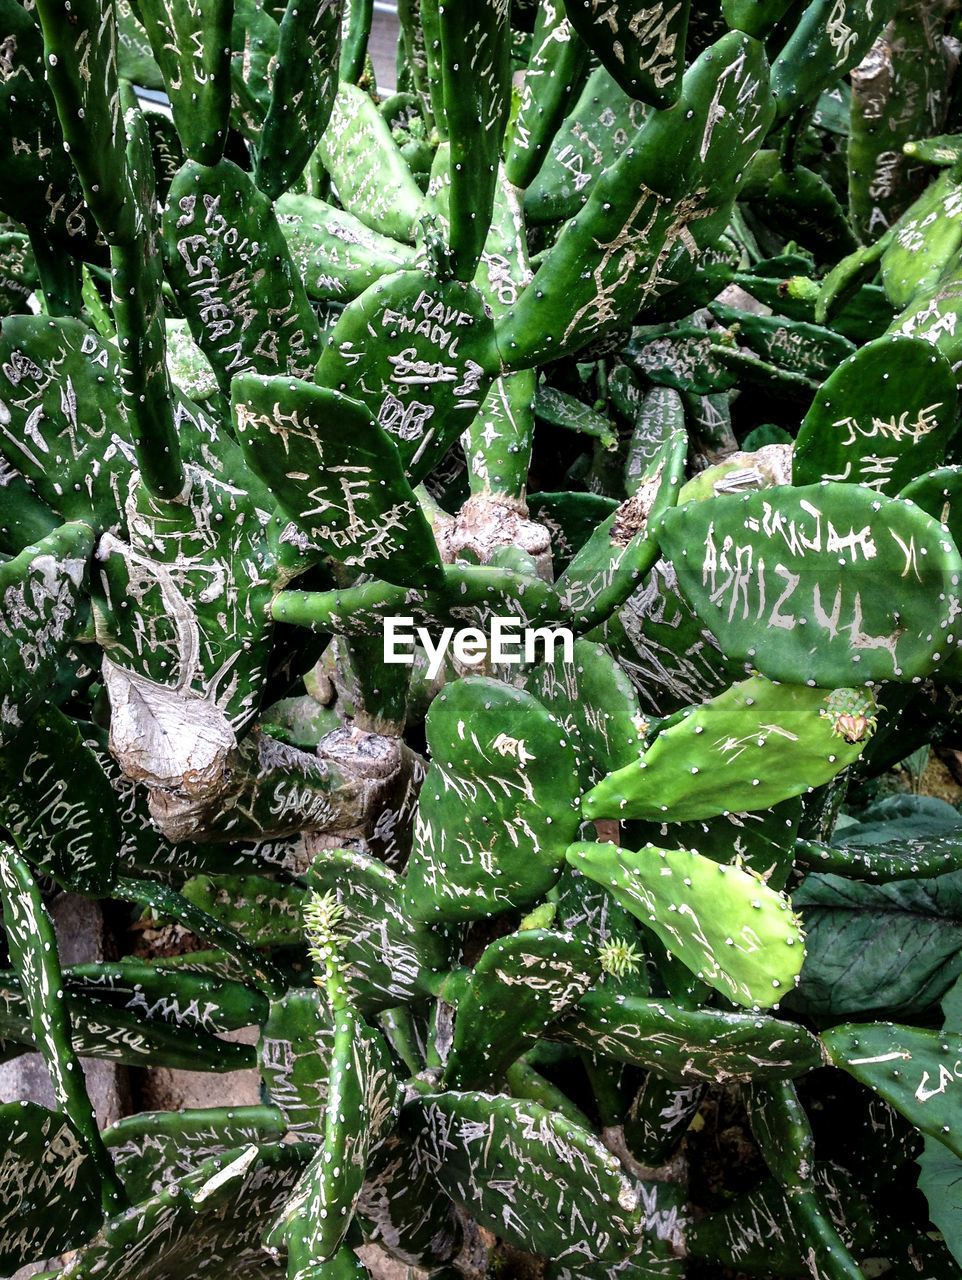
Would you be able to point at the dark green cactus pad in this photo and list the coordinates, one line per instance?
(303, 87)
(60, 388)
(420, 354)
(609, 566)
(910, 1067)
(686, 357)
(45, 1164)
(555, 72)
(724, 923)
(335, 253)
(924, 242)
(642, 47)
(751, 747)
(520, 985)
(596, 705)
(654, 413)
(293, 1054)
(597, 131)
(883, 418)
(476, 86)
(358, 20)
(267, 913)
(120, 1035)
(807, 349)
(154, 1149)
(571, 519)
(686, 1045)
(362, 1104)
(657, 1251)
(370, 176)
(337, 475)
(522, 1172)
(386, 958)
(559, 409)
(789, 578)
(255, 35)
(33, 950)
(594, 916)
(40, 594)
(194, 1000)
(80, 56)
(42, 189)
(18, 273)
(499, 440)
(253, 968)
(495, 813)
(58, 804)
(402, 1209)
(757, 17)
(210, 1222)
(939, 492)
(827, 41)
(931, 315)
(192, 45)
(219, 228)
(783, 1133)
(659, 1116)
(764, 840)
(649, 216)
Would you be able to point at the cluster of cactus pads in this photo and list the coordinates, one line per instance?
(638, 320)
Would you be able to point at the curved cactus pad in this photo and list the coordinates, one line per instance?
(882, 418)
(828, 582)
(756, 744)
(495, 814)
(44, 1164)
(338, 476)
(689, 1044)
(527, 1174)
(724, 923)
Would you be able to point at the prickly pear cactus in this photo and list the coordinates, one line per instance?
(479, 544)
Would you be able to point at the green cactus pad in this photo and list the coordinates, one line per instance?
(33, 950)
(751, 747)
(268, 914)
(45, 1163)
(827, 41)
(642, 47)
(924, 242)
(191, 43)
(420, 355)
(520, 984)
(193, 1000)
(362, 1104)
(789, 579)
(303, 88)
(402, 1209)
(255, 968)
(555, 71)
(58, 804)
(595, 133)
(686, 357)
(911, 1068)
(335, 253)
(371, 177)
(648, 216)
(337, 475)
(209, 1222)
(40, 594)
(883, 418)
(523, 1171)
(294, 1049)
(605, 571)
(80, 56)
(685, 1044)
(500, 752)
(42, 189)
(154, 1149)
(571, 519)
(386, 958)
(729, 928)
(219, 228)
(49, 371)
(659, 1116)
(597, 706)
(476, 84)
